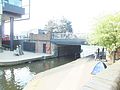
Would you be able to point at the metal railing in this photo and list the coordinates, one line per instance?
(63, 36)
(69, 36)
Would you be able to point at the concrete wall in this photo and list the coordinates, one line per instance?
(109, 79)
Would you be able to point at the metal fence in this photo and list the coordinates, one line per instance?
(29, 46)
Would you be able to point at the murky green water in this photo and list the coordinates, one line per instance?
(16, 77)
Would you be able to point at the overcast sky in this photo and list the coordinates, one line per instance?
(82, 13)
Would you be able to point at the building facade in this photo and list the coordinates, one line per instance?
(41, 41)
(9, 11)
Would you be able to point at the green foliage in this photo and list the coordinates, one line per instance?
(107, 32)
(63, 25)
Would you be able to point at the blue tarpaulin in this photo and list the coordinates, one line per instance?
(100, 66)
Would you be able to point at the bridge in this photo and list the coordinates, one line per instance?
(68, 39)
(67, 44)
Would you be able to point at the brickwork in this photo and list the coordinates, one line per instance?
(40, 36)
(39, 47)
(41, 39)
(48, 48)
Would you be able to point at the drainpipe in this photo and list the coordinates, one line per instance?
(50, 42)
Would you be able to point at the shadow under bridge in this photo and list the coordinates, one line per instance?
(68, 47)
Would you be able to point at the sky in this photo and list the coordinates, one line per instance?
(82, 13)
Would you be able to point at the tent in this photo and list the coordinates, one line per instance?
(100, 66)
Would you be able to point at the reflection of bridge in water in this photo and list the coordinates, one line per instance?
(68, 44)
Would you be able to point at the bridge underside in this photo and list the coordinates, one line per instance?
(69, 41)
(67, 47)
(69, 50)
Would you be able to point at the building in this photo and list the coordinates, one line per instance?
(38, 42)
(56, 44)
(10, 10)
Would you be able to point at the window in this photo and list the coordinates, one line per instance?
(0, 7)
(5, 1)
(14, 2)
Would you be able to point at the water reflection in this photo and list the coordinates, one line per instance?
(16, 77)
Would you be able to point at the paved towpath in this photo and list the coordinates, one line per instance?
(71, 76)
(8, 57)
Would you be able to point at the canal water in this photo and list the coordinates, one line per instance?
(16, 77)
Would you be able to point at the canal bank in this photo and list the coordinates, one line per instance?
(71, 76)
(8, 58)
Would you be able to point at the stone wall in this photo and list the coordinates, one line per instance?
(109, 79)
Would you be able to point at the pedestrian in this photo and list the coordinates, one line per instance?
(98, 52)
(16, 52)
(95, 55)
(102, 53)
(20, 50)
(102, 49)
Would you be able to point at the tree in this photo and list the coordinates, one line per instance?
(63, 25)
(51, 26)
(107, 33)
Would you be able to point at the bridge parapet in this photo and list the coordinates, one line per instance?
(67, 39)
(66, 35)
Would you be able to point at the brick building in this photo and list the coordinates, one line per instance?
(42, 41)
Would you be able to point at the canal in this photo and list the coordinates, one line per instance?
(16, 77)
